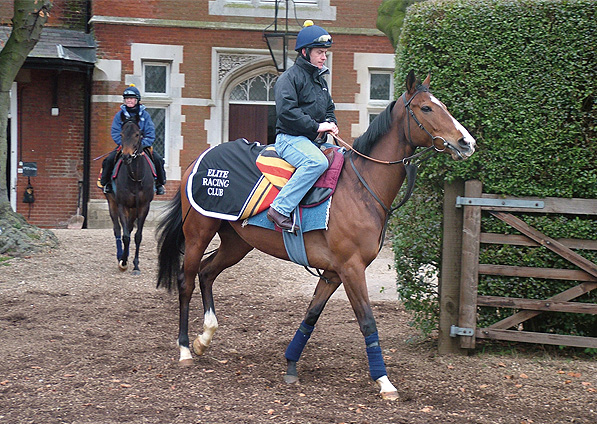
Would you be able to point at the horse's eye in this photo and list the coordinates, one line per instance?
(426, 109)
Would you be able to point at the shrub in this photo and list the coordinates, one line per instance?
(520, 75)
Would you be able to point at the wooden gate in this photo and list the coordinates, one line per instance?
(461, 268)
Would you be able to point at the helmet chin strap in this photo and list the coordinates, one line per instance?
(307, 53)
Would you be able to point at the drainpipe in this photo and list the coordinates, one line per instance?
(87, 124)
(86, 142)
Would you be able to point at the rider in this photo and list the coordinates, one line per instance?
(132, 106)
(305, 111)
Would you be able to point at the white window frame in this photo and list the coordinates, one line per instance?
(367, 64)
(305, 9)
(376, 106)
(172, 55)
(166, 93)
(380, 102)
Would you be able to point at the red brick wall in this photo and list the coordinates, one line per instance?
(70, 14)
(54, 142)
(63, 134)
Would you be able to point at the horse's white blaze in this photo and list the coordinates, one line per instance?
(185, 353)
(210, 325)
(465, 134)
(385, 385)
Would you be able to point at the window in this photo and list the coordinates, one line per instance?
(257, 89)
(156, 86)
(155, 78)
(158, 116)
(375, 76)
(380, 86)
(157, 74)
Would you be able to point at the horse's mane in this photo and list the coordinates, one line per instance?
(380, 126)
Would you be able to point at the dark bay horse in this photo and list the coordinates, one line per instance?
(133, 193)
(369, 182)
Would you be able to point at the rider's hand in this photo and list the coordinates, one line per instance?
(330, 127)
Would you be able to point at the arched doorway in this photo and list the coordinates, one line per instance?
(252, 110)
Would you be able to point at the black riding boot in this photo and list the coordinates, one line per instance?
(107, 168)
(158, 161)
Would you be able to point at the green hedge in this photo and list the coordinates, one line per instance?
(520, 75)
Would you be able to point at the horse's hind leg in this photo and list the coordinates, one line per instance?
(323, 292)
(231, 250)
(195, 244)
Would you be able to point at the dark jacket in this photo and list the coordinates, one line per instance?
(303, 100)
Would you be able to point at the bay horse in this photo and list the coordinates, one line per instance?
(132, 194)
(369, 182)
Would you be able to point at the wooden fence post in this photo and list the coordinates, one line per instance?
(449, 283)
(471, 231)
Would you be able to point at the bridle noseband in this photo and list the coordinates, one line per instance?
(412, 114)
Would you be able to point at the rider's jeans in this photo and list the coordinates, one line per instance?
(310, 163)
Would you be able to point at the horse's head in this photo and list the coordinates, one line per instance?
(430, 123)
(131, 138)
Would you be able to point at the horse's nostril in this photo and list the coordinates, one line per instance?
(462, 142)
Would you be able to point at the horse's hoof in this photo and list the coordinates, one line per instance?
(186, 363)
(198, 347)
(121, 266)
(291, 379)
(389, 395)
(136, 272)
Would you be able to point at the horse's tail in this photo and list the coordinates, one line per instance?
(170, 244)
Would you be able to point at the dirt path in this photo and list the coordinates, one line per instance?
(85, 343)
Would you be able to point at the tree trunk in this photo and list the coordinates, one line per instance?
(27, 23)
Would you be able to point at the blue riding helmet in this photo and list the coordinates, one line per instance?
(312, 36)
(132, 91)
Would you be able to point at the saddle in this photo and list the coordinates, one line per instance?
(238, 179)
(118, 163)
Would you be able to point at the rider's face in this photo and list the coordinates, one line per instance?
(130, 101)
(317, 56)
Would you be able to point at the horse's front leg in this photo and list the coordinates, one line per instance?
(113, 208)
(126, 223)
(139, 238)
(323, 292)
(356, 290)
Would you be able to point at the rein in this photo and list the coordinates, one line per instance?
(129, 162)
(410, 166)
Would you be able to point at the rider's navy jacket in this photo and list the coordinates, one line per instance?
(303, 100)
(145, 125)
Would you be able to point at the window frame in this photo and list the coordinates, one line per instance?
(165, 106)
(309, 9)
(156, 63)
(380, 102)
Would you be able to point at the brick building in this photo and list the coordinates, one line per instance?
(205, 74)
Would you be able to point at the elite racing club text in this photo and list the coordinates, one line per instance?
(216, 181)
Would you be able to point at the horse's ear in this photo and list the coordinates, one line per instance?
(411, 82)
(122, 117)
(427, 81)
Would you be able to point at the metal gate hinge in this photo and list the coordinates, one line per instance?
(461, 331)
(504, 203)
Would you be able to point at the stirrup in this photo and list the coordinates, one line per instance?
(108, 188)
